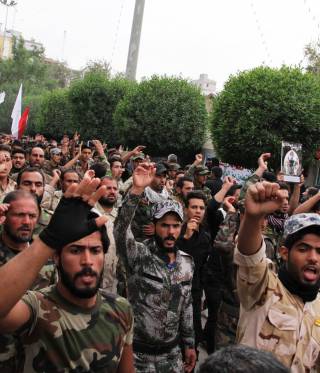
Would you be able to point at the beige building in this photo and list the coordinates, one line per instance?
(6, 43)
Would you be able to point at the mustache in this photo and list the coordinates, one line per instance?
(24, 227)
(169, 238)
(87, 271)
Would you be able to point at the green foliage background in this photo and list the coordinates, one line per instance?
(165, 114)
(258, 109)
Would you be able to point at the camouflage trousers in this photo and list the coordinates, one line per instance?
(226, 325)
(165, 363)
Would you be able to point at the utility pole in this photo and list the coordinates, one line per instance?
(133, 53)
(7, 4)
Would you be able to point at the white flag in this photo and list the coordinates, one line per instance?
(2, 97)
(16, 114)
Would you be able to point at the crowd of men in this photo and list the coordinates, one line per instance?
(108, 262)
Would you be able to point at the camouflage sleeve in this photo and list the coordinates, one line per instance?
(253, 278)
(253, 179)
(128, 248)
(186, 321)
(224, 241)
(31, 300)
(103, 159)
(190, 172)
(47, 197)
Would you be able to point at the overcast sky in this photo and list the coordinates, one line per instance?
(179, 37)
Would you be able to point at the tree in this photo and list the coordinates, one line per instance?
(259, 108)
(93, 102)
(312, 52)
(165, 114)
(99, 66)
(38, 75)
(55, 116)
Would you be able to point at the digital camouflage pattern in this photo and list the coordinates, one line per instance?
(62, 337)
(229, 309)
(300, 221)
(143, 216)
(275, 320)
(160, 294)
(11, 349)
(163, 363)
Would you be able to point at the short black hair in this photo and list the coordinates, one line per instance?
(283, 186)
(112, 161)
(181, 181)
(69, 171)
(239, 359)
(269, 176)
(195, 194)
(293, 238)
(18, 151)
(232, 190)
(216, 171)
(100, 169)
(30, 169)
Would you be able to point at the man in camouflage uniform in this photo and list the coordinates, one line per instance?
(183, 186)
(85, 159)
(51, 197)
(142, 224)
(114, 276)
(159, 283)
(71, 326)
(32, 180)
(279, 314)
(20, 211)
(200, 174)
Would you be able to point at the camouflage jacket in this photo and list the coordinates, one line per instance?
(43, 221)
(11, 349)
(81, 171)
(253, 179)
(160, 294)
(275, 320)
(62, 337)
(143, 212)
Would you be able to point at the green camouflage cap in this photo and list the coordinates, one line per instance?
(201, 170)
(161, 169)
(138, 156)
(174, 167)
(300, 221)
(162, 208)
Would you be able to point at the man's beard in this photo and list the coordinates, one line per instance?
(14, 237)
(69, 283)
(105, 201)
(160, 243)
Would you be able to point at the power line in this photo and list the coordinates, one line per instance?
(117, 33)
(261, 34)
(314, 18)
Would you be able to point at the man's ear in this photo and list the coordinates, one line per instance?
(284, 253)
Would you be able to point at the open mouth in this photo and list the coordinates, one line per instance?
(310, 273)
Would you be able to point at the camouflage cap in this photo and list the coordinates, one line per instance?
(161, 169)
(174, 167)
(162, 208)
(298, 222)
(138, 156)
(201, 170)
